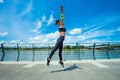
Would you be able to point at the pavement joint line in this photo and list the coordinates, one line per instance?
(29, 65)
(56, 62)
(98, 64)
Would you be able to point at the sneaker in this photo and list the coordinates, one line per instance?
(61, 63)
(48, 61)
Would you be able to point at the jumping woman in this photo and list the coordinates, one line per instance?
(59, 44)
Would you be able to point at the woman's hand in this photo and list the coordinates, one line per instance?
(61, 9)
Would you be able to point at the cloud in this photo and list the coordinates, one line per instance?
(75, 31)
(27, 9)
(118, 29)
(99, 33)
(50, 20)
(48, 38)
(3, 34)
(81, 37)
(98, 22)
(95, 28)
(43, 18)
(2, 41)
(38, 25)
(16, 41)
(52, 35)
(37, 39)
(74, 39)
(93, 32)
(1, 1)
(93, 41)
(42, 22)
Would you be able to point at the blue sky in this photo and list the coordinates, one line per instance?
(32, 21)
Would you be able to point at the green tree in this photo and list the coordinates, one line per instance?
(81, 47)
(74, 47)
(67, 47)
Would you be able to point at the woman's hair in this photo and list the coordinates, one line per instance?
(57, 22)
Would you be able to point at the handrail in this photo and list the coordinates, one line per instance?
(46, 46)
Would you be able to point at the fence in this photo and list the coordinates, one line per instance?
(71, 51)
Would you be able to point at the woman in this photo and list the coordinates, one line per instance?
(60, 40)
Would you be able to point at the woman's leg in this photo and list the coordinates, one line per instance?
(60, 54)
(59, 41)
(53, 51)
(60, 51)
(56, 47)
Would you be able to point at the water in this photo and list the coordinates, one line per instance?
(80, 54)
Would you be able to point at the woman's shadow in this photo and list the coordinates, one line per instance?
(73, 67)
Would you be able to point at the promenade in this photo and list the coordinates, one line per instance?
(73, 70)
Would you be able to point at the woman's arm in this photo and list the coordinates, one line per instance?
(60, 22)
(62, 17)
(62, 13)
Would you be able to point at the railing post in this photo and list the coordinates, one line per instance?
(94, 51)
(18, 52)
(107, 51)
(79, 51)
(48, 49)
(33, 52)
(2, 52)
(64, 50)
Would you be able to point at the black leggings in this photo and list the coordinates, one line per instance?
(59, 45)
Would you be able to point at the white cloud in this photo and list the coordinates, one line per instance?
(81, 37)
(118, 29)
(38, 25)
(51, 38)
(16, 41)
(99, 33)
(75, 31)
(90, 34)
(70, 39)
(43, 18)
(50, 20)
(48, 38)
(1, 1)
(93, 41)
(74, 39)
(27, 9)
(3, 34)
(93, 30)
(52, 35)
(2, 41)
(36, 39)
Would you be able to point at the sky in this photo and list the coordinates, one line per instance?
(33, 21)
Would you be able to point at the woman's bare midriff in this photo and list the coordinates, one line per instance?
(62, 33)
(61, 26)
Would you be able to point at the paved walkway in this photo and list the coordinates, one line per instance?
(74, 70)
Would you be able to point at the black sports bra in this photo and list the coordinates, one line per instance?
(62, 30)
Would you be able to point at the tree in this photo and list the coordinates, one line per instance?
(74, 47)
(81, 47)
(67, 47)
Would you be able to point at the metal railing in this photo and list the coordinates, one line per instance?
(71, 51)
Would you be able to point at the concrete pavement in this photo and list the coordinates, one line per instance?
(74, 70)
